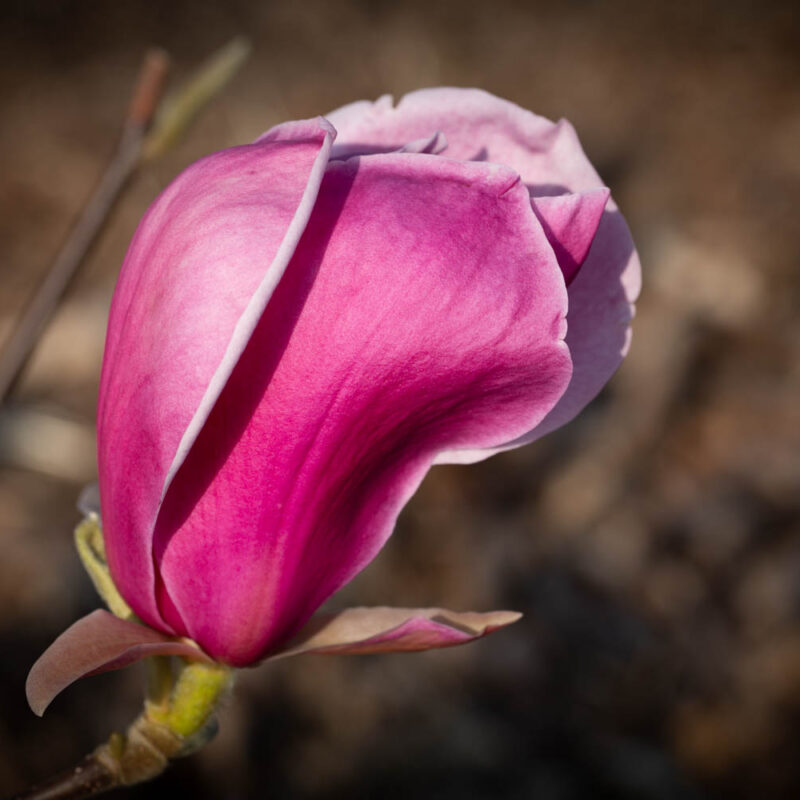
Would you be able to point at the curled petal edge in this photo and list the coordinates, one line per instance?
(98, 642)
(361, 631)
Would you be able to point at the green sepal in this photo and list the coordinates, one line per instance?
(92, 551)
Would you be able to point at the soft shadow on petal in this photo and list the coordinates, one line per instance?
(433, 144)
(97, 643)
(598, 334)
(358, 631)
(600, 313)
(202, 265)
(570, 222)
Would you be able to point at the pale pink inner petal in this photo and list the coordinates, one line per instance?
(197, 276)
(434, 144)
(478, 127)
(423, 310)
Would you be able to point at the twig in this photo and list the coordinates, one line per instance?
(89, 778)
(178, 719)
(180, 109)
(144, 103)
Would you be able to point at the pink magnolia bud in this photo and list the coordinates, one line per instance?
(302, 328)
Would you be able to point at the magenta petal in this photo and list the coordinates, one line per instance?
(96, 643)
(423, 311)
(202, 266)
(550, 160)
(358, 631)
(570, 222)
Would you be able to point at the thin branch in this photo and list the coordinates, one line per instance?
(145, 100)
(138, 144)
(178, 719)
(89, 778)
(179, 110)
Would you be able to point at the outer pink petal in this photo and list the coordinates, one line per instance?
(548, 156)
(97, 643)
(202, 266)
(358, 631)
(423, 311)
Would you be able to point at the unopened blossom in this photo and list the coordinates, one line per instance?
(304, 325)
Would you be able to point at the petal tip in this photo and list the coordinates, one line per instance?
(501, 619)
(36, 700)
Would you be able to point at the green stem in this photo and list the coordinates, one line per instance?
(178, 719)
(194, 698)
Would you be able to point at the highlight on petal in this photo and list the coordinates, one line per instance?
(99, 642)
(200, 270)
(570, 222)
(358, 631)
(423, 311)
(551, 161)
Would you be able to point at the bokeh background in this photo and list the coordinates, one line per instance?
(654, 544)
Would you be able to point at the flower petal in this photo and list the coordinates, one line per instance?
(548, 156)
(358, 631)
(570, 222)
(202, 266)
(97, 643)
(423, 311)
(433, 144)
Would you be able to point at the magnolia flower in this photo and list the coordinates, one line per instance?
(302, 327)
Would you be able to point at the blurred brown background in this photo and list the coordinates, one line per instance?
(653, 544)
